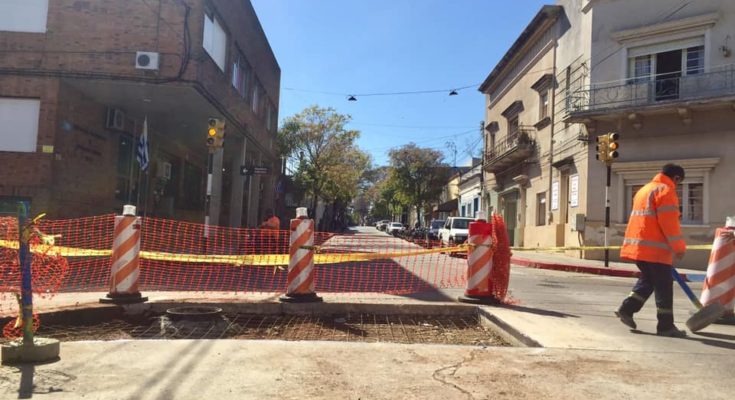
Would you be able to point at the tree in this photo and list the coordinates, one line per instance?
(330, 165)
(417, 175)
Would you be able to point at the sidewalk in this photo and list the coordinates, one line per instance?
(561, 262)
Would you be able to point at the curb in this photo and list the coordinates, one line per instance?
(583, 269)
(624, 273)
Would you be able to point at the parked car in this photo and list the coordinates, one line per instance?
(382, 225)
(395, 228)
(454, 231)
(434, 226)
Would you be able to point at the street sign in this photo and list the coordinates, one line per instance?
(245, 170)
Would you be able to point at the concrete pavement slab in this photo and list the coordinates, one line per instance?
(229, 369)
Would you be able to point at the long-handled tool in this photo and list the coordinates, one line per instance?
(704, 315)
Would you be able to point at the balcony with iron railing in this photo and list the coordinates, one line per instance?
(510, 150)
(654, 91)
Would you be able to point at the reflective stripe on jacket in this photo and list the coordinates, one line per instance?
(654, 232)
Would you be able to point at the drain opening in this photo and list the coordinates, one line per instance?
(198, 313)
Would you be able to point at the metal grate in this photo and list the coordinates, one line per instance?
(465, 330)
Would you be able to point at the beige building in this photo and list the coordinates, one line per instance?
(518, 139)
(448, 204)
(661, 76)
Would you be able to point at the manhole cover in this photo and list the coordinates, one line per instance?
(193, 313)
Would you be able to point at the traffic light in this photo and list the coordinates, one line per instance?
(602, 147)
(215, 133)
(612, 146)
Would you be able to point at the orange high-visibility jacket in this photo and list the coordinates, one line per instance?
(654, 233)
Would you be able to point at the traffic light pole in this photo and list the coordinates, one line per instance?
(208, 198)
(607, 213)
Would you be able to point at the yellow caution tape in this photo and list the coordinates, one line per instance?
(238, 260)
(574, 248)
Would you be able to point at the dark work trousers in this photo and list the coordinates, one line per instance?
(655, 278)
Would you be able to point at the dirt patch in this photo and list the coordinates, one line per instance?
(461, 330)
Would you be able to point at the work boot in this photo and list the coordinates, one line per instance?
(673, 332)
(627, 319)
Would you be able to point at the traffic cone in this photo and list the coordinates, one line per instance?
(125, 263)
(300, 278)
(719, 285)
(479, 263)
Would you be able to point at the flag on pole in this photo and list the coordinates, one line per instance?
(142, 148)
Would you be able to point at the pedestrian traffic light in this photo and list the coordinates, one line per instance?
(215, 133)
(612, 146)
(602, 147)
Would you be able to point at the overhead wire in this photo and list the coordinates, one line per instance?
(382, 93)
(425, 142)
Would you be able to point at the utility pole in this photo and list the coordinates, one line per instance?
(215, 141)
(453, 149)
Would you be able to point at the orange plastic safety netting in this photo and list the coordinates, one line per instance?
(182, 256)
(500, 274)
(48, 271)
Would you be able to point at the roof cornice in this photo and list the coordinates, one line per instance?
(543, 20)
(685, 24)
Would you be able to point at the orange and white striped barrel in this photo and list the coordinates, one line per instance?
(479, 263)
(125, 261)
(719, 285)
(300, 277)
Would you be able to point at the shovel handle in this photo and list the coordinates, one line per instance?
(686, 288)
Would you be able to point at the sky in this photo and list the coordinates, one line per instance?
(328, 49)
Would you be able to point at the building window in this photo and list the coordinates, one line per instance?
(241, 77)
(476, 206)
(543, 104)
(666, 64)
(641, 69)
(463, 212)
(257, 96)
(193, 198)
(513, 126)
(695, 60)
(691, 200)
(541, 209)
(215, 41)
(9, 204)
(23, 16)
(19, 120)
(269, 117)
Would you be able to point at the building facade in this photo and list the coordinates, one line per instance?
(79, 80)
(519, 100)
(470, 190)
(661, 76)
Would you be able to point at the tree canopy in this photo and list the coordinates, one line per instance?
(417, 176)
(330, 165)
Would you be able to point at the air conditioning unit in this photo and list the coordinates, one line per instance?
(115, 119)
(146, 60)
(163, 171)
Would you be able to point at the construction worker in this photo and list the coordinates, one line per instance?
(269, 234)
(652, 239)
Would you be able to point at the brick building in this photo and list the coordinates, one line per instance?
(78, 79)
